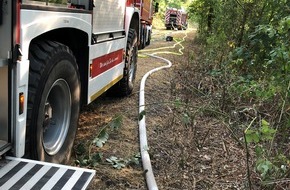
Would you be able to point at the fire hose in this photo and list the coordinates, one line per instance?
(147, 167)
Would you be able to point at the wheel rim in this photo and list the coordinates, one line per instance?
(57, 113)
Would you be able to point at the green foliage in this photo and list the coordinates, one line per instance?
(141, 115)
(103, 135)
(120, 163)
(116, 123)
(172, 3)
(246, 48)
(177, 103)
(270, 167)
(117, 163)
(246, 51)
(265, 53)
(163, 4)
(102, 138)
(80, 149)
(265, 167)
(83, 151)
(84, 159)
(186, 119)
(264, 133)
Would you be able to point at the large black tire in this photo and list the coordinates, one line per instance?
(125, 86)
(53, 102)
(142, 38)
(149, 39)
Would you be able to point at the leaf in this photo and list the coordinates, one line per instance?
(141, 115)
(102, 138)
(177, 103)
(252, 136)
(186, 119)
(114, 158)
(97, 157)
(265, 123)
(80, 149)
(116, 123)
(116, 163)
(134, 160)
(259, 151)
(264, 166)
(119, 166)
(266, 131)
(109, 160)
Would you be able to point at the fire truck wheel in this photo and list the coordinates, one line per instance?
(53, 102)
(149, 39)
(142, 38)
(125, 86)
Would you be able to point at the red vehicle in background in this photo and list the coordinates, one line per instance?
(146, 8)
(175, 19)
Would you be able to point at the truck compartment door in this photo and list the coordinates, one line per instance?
(5, 54)
(105, 20)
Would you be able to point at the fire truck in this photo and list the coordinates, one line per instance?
(175, 19)
(146, 11)
(56, 55)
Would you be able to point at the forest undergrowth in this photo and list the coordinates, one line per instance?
(243, 70)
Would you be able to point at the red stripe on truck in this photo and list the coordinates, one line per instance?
(106, 62)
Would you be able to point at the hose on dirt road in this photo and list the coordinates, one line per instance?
(147, 167)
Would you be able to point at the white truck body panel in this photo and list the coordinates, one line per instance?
(37, 22)
(101, 82)
(20, 129)
(104, 21)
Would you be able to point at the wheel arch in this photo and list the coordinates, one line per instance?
(133, 21)
(77, 41)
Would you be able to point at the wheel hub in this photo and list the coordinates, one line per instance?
(57, 113)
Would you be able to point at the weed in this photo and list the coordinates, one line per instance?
(120, 163)
(84, 155)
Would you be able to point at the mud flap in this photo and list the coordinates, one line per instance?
(23, 174)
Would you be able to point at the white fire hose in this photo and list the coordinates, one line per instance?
(147, 167)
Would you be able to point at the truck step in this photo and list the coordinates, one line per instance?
(24, 174)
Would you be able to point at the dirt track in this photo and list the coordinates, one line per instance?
(186, 152)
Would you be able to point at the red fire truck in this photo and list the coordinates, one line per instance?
(175, 19)
(146, 10)
(54, 56)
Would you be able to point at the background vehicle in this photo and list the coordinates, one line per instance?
(146, 8)
(175, 18)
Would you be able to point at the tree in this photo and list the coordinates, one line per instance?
(247, 47)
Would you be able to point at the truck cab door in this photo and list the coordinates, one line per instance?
(6, 36)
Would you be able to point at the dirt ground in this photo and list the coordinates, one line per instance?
(188, 151)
